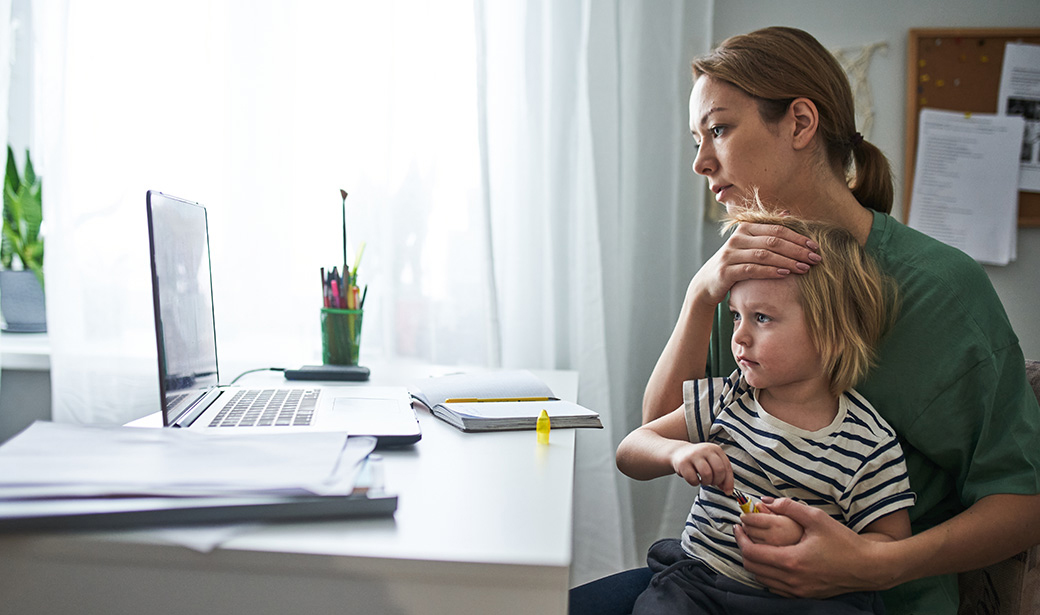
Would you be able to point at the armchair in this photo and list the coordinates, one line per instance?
(1013, 585)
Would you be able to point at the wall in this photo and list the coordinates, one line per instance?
(853, 23)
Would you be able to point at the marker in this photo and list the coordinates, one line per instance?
(542, 427)
(746, 504)
(474, 400)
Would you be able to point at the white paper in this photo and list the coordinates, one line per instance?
(965, 189)
(66, 460)
(524, 409)
(1020, 96)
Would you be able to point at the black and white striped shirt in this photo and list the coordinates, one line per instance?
(853, 469)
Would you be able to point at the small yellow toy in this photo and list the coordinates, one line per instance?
(542, 427)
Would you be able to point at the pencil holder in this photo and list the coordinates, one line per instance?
(340, 336)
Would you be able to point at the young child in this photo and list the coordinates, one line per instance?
(785, 424)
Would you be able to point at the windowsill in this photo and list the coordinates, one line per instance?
(25, 351)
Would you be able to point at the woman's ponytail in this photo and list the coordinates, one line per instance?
(872, 182)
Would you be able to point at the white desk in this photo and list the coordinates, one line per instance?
(483, 526)
(25, 381)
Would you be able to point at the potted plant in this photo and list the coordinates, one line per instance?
(21, 249)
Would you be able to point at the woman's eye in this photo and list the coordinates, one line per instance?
(716, 131)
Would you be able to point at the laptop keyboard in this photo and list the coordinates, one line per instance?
(268, 408)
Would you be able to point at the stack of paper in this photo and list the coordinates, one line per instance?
(67, 471)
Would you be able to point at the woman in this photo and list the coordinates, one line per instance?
(772, 113)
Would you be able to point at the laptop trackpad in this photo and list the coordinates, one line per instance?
(374, 417)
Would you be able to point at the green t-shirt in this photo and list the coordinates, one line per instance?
(950, 378)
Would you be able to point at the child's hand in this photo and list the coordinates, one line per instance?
(704, 463)
(769, 528)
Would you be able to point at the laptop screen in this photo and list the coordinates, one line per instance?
(182, 295)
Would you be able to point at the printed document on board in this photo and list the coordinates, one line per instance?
(1020, 96)
(965, 190)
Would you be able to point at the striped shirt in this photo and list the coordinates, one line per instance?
(853, 469)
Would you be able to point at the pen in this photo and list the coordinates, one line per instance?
(471, 400)
(343, 193)
(324, 289)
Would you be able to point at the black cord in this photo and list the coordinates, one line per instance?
(259, 369)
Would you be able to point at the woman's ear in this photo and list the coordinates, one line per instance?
(806, 120)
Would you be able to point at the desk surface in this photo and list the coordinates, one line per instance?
(483, 526)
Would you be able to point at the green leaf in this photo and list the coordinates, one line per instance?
(30, 173)
(32, 212)
(11, 176)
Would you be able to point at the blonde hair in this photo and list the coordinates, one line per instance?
(777, 65)
(846, 298)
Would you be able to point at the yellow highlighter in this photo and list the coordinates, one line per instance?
(746, 503)
(542, 427)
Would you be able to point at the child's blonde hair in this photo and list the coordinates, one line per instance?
(846, 298)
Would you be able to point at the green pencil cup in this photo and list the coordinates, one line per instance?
(340, 336)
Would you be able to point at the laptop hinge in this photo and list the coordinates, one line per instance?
(192, 413)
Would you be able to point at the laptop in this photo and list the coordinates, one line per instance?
(185, 330)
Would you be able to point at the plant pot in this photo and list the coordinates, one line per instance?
(22, 303)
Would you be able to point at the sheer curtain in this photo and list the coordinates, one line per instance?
(595, 223)
(519, 171)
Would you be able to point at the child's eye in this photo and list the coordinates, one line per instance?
(762, 318)
(735, 316)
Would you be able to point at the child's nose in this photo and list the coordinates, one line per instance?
(740, 334)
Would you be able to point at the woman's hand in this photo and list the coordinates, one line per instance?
(829, 559)
(754, 251)
(704, 463)
(767, 528)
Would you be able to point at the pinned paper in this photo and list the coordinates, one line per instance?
(965, 186)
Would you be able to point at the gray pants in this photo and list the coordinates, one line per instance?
(682, 585)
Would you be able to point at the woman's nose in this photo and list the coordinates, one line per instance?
(704, 162)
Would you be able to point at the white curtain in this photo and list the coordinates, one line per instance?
(520, 172)
(595, 222)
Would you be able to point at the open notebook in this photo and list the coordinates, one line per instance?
(498, 401)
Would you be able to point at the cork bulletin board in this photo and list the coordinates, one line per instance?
(958, 69)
